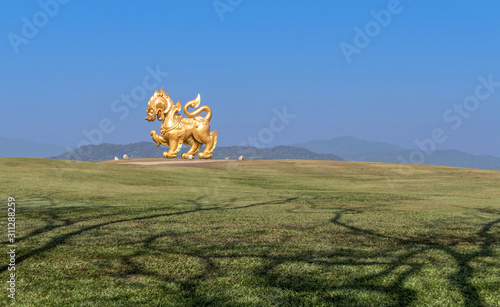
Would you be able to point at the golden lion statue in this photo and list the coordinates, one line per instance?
(176, 130)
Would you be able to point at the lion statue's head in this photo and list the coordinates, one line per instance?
(159, 105)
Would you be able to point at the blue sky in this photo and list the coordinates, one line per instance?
(63, 75)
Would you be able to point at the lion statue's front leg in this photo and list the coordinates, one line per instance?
(174, 141)
(159, 140)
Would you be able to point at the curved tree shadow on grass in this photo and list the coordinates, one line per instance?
(294, 284)
(292, 288)
(461, 278)
(54, 214)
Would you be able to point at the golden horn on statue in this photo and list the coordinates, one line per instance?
(175, 130)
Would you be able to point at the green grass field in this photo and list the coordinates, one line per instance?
(251, 233)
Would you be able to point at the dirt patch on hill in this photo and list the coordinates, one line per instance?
(173, 162)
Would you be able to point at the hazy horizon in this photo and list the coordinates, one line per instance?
(416, 148)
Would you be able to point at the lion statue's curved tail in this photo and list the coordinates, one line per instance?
(194, 104)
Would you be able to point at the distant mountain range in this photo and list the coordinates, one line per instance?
(27, 149)
(353, 149)
(104, 152)
(349, 147)
(346, 147)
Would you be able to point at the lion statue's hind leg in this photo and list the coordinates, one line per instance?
(214, 136)
(210, 142)
(195, 147)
